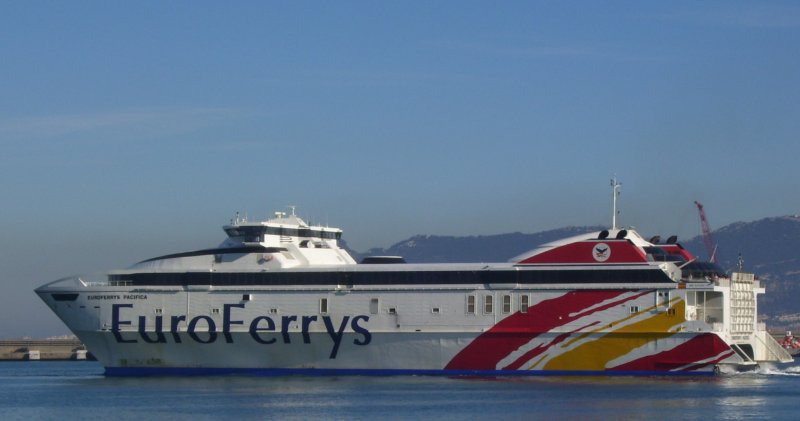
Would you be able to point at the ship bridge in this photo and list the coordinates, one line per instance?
(284, 241)
(281, 229)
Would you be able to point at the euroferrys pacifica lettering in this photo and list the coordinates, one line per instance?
(262, 329)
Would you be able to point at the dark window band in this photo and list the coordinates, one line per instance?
(293, 232)
(230, 250)
(638, 276)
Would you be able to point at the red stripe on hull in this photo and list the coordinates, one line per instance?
(699, 348)
(488, 349)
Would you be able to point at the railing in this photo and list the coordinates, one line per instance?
(92, 280)
(120, 283)
(722, 282)
(775, 350)
(107, 283)
(95, 283)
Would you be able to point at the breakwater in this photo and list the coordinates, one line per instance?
(42, 349)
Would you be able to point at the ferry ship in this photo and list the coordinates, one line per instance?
(282, 297)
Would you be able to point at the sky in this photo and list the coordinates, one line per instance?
(131, 130)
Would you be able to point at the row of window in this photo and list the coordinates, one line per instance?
(398, 277)
(488, 303)
(256, 234)
(471, 305)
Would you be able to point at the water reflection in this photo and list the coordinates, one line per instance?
(40, 391)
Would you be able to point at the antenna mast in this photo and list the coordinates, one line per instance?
(615, 185)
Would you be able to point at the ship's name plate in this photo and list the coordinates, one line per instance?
(118, 297)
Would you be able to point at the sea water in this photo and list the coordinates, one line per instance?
(78, 390)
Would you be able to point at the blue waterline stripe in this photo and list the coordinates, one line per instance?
(318, 372)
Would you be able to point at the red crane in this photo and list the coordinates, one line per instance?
(707, 238)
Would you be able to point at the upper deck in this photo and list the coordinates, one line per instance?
(285, 241)
(279, 230)
(286, 251)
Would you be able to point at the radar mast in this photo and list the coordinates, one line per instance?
(615, 186)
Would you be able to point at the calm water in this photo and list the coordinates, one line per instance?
(72, 390)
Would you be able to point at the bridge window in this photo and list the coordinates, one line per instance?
(253, 238)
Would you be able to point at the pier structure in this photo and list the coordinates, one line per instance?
(42, 349)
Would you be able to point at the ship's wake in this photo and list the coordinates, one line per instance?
(773, 370)
(765, 370)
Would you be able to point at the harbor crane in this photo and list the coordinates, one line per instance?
(711, 247)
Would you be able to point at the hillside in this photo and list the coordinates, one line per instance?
(768, 247)
(484, 248)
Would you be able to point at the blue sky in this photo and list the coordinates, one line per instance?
(130, 130)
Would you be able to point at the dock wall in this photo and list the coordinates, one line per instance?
(42, 349)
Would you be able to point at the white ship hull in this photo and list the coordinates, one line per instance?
(281, 297)
(407, 330)
(404, 353)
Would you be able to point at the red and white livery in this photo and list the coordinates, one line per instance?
(280, 297)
